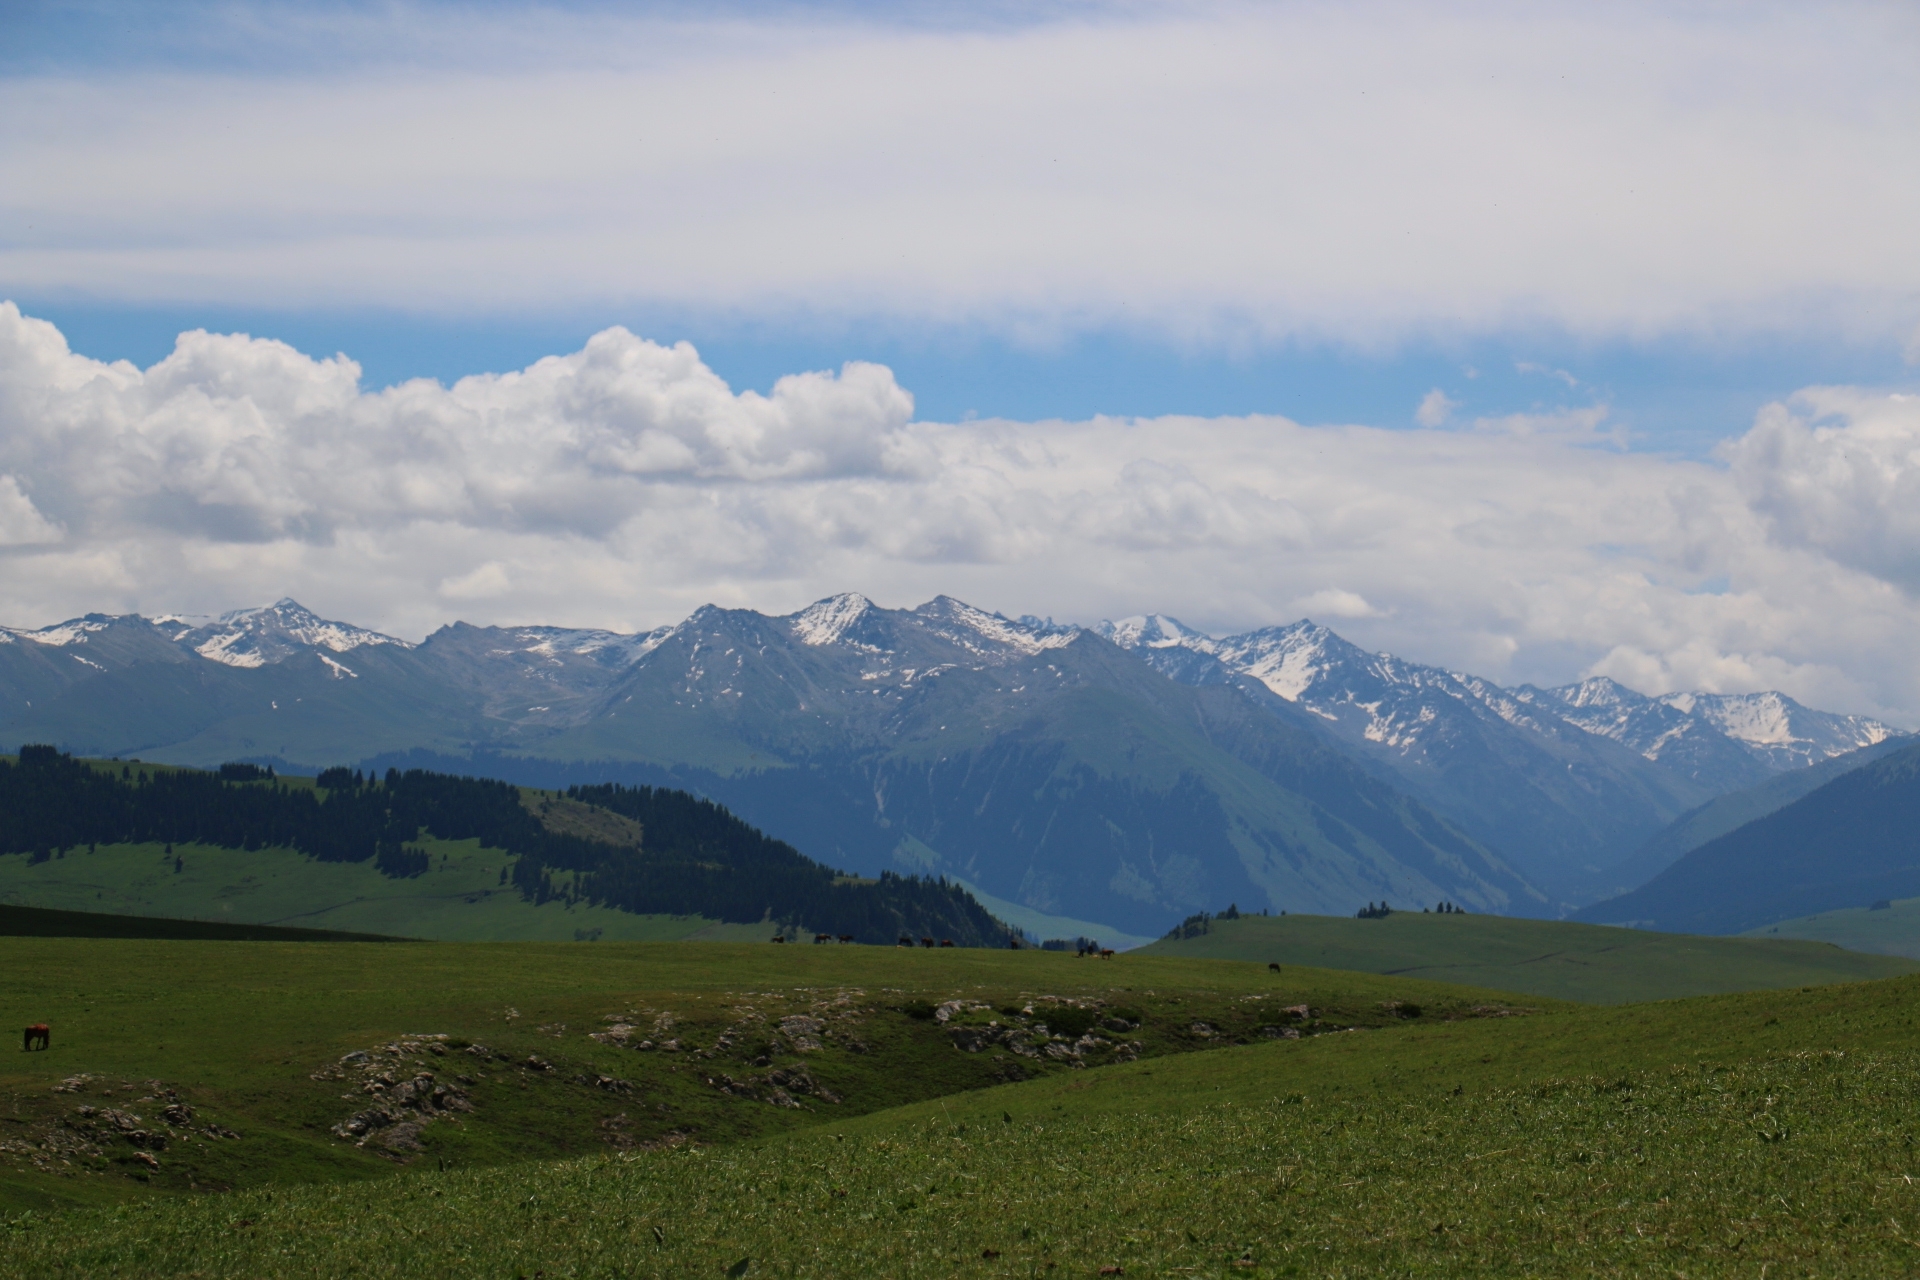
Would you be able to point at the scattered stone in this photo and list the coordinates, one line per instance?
(805, 1032)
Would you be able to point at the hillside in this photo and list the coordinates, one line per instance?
(1888, 927)
(118, 836)
(1728, 813)
(1731, 1133)
(1848, 843)
(538, 1050)
(1582, 962)
(42, 922)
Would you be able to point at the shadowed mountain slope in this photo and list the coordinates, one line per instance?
(1848, 843)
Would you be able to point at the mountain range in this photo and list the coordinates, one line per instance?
(1130, 772)
(1563, 782)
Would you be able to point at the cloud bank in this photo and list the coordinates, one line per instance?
(1223, 172)
(625, 484)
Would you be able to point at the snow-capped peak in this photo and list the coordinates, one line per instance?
(1151, 631)
(825, 621)
(61, 634)
(1025, 637)
(1604, 691)
(273, 633)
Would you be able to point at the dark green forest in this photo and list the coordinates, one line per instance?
(694, 857)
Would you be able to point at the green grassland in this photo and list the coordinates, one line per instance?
(739, 1040)
(460, 897)
(1725, 1135)
(1892, 930)
(1589, 963)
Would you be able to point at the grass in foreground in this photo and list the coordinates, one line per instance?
(1589, 963)
(546, 1050)
(1473, 1148)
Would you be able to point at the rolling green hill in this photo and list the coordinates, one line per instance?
(548, 1050)
(1589, 963)
(1450, 1133)
(1892, 929)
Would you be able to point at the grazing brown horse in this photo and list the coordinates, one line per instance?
(38, 1031)
(926, 942)
(946, 942)
(819, 938)
(846, 937)
(778, 937)
(1106, 953)
(1274, 967)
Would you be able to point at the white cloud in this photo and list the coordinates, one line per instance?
(1435, 408)
(1838, 471)
(1332, 602)
(1236, 168)
(21, 523)
(625, 484)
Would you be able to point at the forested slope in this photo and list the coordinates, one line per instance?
(684, 856)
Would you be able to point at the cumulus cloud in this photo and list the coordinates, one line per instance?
(1215, 169)
(1435, 408)
(1838, 471)
(625, 484)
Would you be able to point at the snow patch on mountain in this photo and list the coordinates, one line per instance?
(825, 621)
(271, 633)
(62, 634)
(610, 648)
(968, 626)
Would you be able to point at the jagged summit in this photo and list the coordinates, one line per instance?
(826, 621)
(1153, 630)
(981, 632)
(1769, 727)
(271, 633)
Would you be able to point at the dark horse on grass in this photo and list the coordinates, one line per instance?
(39, 1031)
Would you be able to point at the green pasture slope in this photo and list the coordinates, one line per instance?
(1892, 930)
(39, 922)
(459, 898)
(1589, 963)
(1761, 1132)
(739, 1040)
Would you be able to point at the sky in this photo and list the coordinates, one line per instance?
(1533, 340)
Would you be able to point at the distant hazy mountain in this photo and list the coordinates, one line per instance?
(1730, 812)
(1849, 843)
(1036, 761)
(1562, 783)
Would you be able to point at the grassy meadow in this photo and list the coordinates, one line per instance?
(459, 898)
(1451, 1132)
(1583, 962)
(556, 1049)
(1890, 930)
